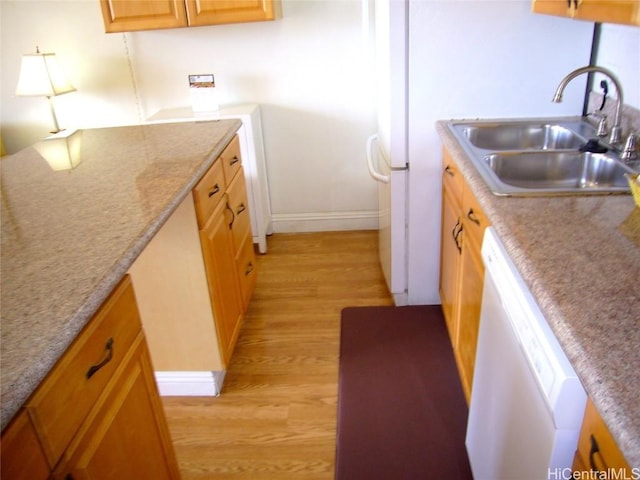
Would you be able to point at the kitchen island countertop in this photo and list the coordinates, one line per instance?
(580, 257)
(69, 236)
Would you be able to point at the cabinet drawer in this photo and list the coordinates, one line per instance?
(209, 191)
(231, 159)
(475, 220)
(452, 178)
(247, 274)
(237, 194)
(66, 396)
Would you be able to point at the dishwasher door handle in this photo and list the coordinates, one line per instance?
(379, 177)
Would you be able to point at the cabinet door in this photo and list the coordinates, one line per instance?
(127, 436)
(471, 284)
(211, 12)
(449, 262)
(22, 457)
(220, 263)
(132, 15)
(450, 242)
(609, 11)
(562, 8)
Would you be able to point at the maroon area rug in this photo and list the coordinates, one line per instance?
(401, 411)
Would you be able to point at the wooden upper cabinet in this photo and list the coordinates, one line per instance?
(212, 12)
(607, 11)
(134, 15)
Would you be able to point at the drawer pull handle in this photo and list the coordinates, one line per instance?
(249, 268)
(233, 215)
(234, 160)
(214, 190)
(241, 208)
(109, 348)
(471, 215)
(448, 170)
(455, 235)
(594, 449)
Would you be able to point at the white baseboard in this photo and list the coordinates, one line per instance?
(189, 384)
(325, 222)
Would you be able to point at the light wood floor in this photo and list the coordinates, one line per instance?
(276, 417)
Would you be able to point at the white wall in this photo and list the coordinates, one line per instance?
(619, 51)
(309, 73)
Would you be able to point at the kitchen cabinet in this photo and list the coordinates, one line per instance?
(213, 12)
(597, 450)
(227, 247)
(223, 284)
(134, 15)
(461, 267)
(254, 162)
(98, 413)
(603, 11)
(195, 278)
(452, 183)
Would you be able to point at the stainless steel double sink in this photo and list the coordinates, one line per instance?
(540, 157)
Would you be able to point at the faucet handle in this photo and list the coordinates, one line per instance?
(603, 128)
(630, 151)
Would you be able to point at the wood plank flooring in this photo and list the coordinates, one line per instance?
(276, 417)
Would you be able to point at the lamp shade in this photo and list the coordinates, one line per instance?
(41, 76)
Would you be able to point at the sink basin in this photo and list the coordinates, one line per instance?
(522, 136)
(523, 157)
(559, 171)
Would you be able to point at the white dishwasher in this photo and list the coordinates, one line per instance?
(527, 402)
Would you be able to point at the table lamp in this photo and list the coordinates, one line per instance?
(41, 76)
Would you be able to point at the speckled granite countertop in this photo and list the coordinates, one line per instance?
(68, 237)
(580, 256)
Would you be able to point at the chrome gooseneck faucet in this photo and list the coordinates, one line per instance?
(615, 136)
